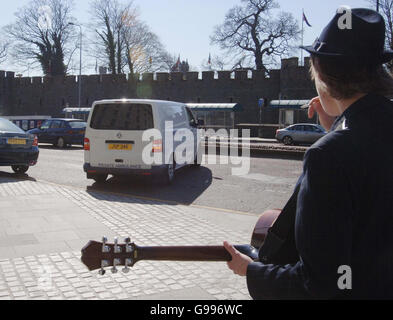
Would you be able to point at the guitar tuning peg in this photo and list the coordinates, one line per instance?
(116, 262)
(125, 270)
(104, 264)
(128, 263)
(105, 248)
(117, 248)
(102, 272)
(128, 247)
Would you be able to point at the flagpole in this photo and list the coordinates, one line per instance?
(301, 50)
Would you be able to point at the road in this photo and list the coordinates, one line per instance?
(268, 184)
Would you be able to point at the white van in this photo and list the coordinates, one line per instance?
(140, 137)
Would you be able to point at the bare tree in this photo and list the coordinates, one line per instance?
(250, 30)
(144, 51)
(112, 20)
(168, 61)
(386, 10)
(41, 34)
(221, 63)
(105, 19)
(123, 42)
(3, 50)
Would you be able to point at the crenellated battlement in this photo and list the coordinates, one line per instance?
(50, 95)
(239, 75)
(145, 77)
(6, 74)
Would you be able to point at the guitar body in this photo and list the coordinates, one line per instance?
(262, 227)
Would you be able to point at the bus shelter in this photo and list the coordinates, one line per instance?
(291, 112)
(216, 115)
(27, 122)
(77, 113)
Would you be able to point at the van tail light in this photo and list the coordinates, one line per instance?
(157, 146)
(35, 142)
(86, 144)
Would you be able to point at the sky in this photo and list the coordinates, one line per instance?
(185, 26)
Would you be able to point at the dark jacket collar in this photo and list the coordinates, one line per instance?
(364, 104)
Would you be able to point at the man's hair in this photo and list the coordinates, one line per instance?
(343, 78)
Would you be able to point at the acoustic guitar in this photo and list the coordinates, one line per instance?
(102, 255)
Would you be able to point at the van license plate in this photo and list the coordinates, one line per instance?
(120, 146)
(17, 141)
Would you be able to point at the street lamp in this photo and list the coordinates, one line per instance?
(80, 63)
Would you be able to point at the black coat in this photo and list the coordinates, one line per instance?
(344, 214)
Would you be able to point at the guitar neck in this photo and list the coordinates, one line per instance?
(100, 255)
(189, 253)
(96, 255)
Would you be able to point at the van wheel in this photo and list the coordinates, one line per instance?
(20, 169)
(100, 178)
(169, 175)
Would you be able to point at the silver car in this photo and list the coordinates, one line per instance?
(305, 133)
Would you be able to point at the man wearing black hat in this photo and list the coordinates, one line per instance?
(343, 229)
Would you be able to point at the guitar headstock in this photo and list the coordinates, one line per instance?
(101, 255)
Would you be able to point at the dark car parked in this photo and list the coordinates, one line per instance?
(300, 133)
(18, 149)
(61, 132)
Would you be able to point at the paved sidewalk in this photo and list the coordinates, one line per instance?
(43, 228)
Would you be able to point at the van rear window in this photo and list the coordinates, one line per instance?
(122, 116)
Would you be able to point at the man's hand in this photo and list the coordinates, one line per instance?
(325, 119)
(240, 262)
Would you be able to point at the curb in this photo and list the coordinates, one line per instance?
(286, 152)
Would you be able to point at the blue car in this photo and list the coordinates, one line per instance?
(18, 149)
(61, 132)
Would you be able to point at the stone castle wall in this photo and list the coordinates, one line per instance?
(48, 96)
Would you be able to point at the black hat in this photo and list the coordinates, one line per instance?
(361, 38)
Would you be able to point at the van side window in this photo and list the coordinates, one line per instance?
(177, 114)
(190, 115)
(181, 117)
(122, 116)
